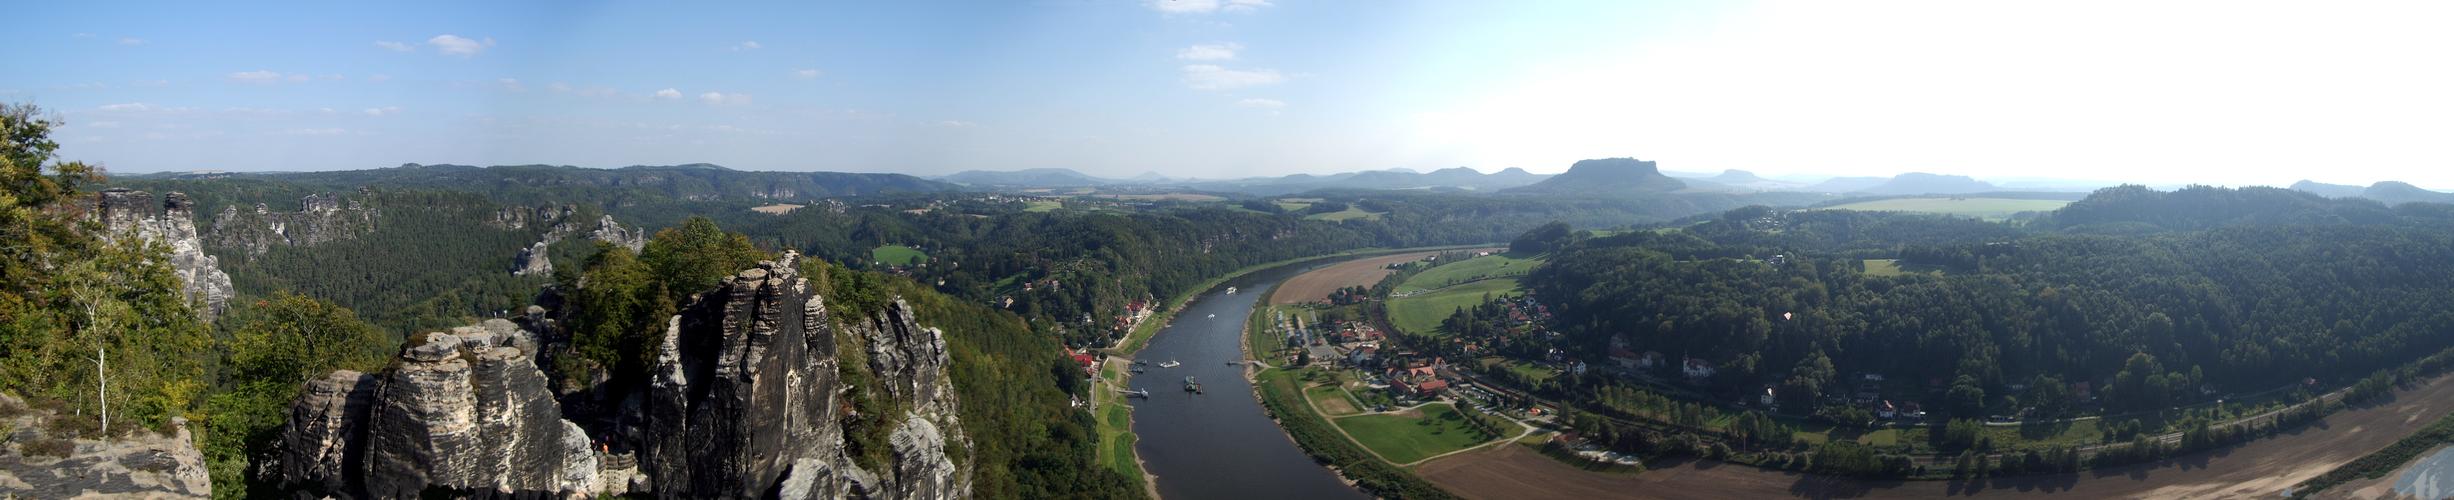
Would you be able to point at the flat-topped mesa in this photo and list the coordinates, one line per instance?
(465, 412)
(131, 213)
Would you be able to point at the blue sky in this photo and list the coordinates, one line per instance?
(2232, 92)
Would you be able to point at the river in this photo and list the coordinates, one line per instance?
(1219, 444)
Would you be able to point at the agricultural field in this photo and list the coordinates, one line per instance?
(898, 255)
(1489, 266)
(1316, 284)
(1420, 314)
(1349, 214)
(1412, 435)
(1524, 369)
(1984, 208)
(1042, 205)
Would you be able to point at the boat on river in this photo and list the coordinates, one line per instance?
(1231, 290)
(1169, 364)
(1191, 386)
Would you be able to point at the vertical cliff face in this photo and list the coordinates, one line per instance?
(464, 412)
(746, 399)
(172, 223)
(321, 218)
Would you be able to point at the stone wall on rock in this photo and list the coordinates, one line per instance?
(172, 224)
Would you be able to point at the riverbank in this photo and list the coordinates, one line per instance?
(1114, 417)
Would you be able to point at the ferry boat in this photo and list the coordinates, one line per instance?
(1231, 290)
(1169, 364)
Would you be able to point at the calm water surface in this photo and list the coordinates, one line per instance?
(1219, 444)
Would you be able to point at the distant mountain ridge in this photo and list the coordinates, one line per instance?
(1925, 183)
(692, 181)
(1608, 176)
(2388, 192)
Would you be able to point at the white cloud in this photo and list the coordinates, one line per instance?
(131, 41)
(132, 106)
(382, 111)
(558, 87)
(724, 98)
(957, 124)
(296, 78)
(257, 76)
(807, 74)
(396, 46)
(749, 45)
(1213, 77)
(315, 131)
(511, 84)
(454, 45)
(1210, 52)
(1206, 6)
(1258, 103)
(668, 94)
(379, 78)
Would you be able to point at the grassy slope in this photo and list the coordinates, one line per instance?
(897, 255)
(1469, 270)
(1405, 439)
(1421, 314)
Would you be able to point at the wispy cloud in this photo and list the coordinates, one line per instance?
(316, 131)
(131, 41)
(1259, 103)
(748, 45)
(130, 106)
(1206, 6)
(454, 45)
(558, 87)
(807, 74)
(396, 46)
(1210, 52)
(957, 124)
(257, 76)
(720, 98)
(382, 111)
(668, 94)
(1213, 77)
(511, 84)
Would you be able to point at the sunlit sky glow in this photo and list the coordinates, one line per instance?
(2155, 92)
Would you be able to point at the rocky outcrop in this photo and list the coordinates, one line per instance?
(172, 224)
(559, 223)
(466, 412)
(142, 464)
(321, 218)
(532, 261)
(746, 398)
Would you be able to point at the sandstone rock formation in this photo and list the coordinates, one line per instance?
(746, 399)
(140, 465)
(172, 224)
(465, 412)
(321, 218)
(559, 224)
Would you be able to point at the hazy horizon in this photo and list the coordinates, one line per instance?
(2161, 94)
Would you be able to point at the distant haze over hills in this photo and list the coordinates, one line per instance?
(2389, 192)
(1613, 176)
(1605, 176)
